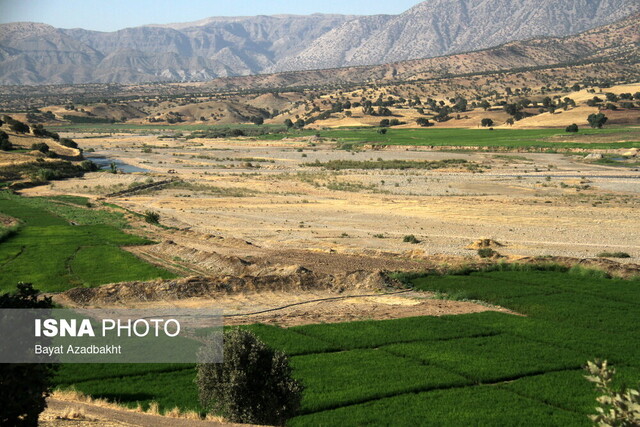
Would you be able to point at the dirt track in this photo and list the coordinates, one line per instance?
(87, 415)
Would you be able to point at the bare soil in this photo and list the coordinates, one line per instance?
(253, 216)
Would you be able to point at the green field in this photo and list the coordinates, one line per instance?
(59, 245)
(499, 138)
(505, 139)
(476, 369)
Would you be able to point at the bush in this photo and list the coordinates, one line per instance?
(486, 253)
(5, 145)
(152, 217)
(616, 408)
(88, 166)
(41, 147)
(252, 385)
(572, 128)
(411, 239)
(614, 255)
(24, 387)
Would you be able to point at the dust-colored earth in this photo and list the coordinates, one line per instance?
(256, 218)
(265, 193)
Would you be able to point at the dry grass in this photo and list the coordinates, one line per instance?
(71, 395)
(73, 414)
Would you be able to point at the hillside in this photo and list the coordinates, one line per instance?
(617, 44)
(33, 53)
(444, 27)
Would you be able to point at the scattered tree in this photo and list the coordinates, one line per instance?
(253, 385)
(5, 145)
(422, 121)
(41, 147)
(486, 123)
(597, 121)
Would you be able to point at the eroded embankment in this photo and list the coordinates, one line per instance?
(299, 280)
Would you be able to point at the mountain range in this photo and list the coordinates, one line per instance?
(32, 53)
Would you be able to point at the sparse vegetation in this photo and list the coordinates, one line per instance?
(152, 217)
(388, 164)
(411, 239)
(486, 253)
(614, 255)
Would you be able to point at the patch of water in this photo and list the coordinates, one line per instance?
(105, 163)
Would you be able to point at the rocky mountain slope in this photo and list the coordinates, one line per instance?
(219, 47)
(442, 27)
(614, 46)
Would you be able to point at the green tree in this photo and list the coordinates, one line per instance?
(257, 120)
(24, 387)
(41, 147)
(5, 145)
(288, 123)
(253, 385)
(422, 121)
(611, 97)
(486, 123)
(597, 121)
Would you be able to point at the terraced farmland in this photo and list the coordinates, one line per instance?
(58, 243)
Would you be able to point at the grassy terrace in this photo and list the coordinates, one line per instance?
(47, 249)
(477, 369)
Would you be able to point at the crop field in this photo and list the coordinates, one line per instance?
(539, 139)
(500, 138)
(58, 242)
(484, 368)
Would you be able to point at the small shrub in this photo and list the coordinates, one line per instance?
(411, 239)
(253, 384)
(152, 217)
(616, 408)
(572, 128)
(486, 253)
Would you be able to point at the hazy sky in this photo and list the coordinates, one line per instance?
(110, 15)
